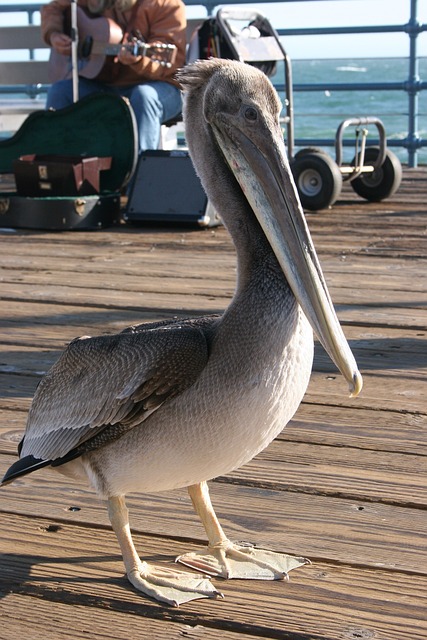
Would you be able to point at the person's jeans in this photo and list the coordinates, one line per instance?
(152, 102)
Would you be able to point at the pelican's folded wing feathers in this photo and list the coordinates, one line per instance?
(101, 387)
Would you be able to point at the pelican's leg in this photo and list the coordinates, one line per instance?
(228, 560)
(165, 585)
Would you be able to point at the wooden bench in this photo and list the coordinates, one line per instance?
(23, 72)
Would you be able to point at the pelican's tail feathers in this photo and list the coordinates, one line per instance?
(23, 466)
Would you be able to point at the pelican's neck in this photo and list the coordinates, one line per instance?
(255, 257)
(257, 265)
(256, 260)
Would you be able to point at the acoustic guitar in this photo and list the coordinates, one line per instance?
(99, 39)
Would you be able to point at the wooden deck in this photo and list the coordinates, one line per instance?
(344, 484)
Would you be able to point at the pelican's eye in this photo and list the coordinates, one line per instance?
(251, 114)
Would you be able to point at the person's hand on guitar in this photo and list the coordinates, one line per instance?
(126, 56)
(61, 43)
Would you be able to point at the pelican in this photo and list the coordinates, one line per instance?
(179, 402)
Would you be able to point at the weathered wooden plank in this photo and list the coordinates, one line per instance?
(168, 301)
(145, 277)
(353, 473)
(381, 390)
(122, 238)
(385, 316)
(132, 283)
(26, 318)
(32, 617)
(381, 430)
(408, 248)
(12, 424)
(380, 340)
(385, 226)
(395, 361)
(389, 273)
(329, 240)
(126, 290)
(176, 303)
(329, 528)
(378, 296)
(133, 259)
(69, 564)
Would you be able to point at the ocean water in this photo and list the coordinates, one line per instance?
(318, 114)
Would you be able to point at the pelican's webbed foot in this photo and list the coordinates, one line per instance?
(171, 586)
(165, 585)
(229, 560)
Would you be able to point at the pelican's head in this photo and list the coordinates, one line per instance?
(232, 110)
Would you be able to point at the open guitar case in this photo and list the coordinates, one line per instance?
(69, 166)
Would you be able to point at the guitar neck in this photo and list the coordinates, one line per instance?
(137, 49)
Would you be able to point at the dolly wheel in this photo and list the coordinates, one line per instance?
(305, 150)
(318, 180)
(383, 182)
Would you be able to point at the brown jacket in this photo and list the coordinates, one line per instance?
(156, 20)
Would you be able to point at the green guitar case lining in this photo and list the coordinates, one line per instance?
(100, 125)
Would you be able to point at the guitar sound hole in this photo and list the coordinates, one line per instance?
(86, 47)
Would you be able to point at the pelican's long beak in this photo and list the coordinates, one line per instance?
(257, 157)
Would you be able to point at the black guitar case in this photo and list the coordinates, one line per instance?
(48, 161)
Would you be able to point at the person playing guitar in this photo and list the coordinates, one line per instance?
(129, 47)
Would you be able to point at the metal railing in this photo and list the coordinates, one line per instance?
(412, 86)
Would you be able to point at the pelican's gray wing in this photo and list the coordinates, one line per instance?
(101, 387)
